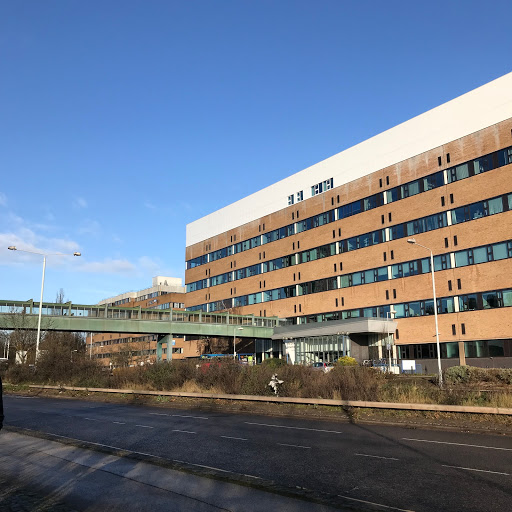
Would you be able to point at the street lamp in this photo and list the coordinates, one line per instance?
(389, 316)
(413, 241)
(234, 340)
(13, 248)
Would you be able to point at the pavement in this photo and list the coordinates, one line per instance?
(40, 475)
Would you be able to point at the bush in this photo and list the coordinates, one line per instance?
(346, 361)
(19, 373)
(504, 376)
(355, 383)
(274, 363)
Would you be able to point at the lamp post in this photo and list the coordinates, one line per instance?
(389, 316)
(440, 371)
(234, 340)
(44, 255)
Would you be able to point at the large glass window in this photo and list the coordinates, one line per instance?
(461, 258)
(445, 305)
(494, 205)
(501, 251)
(490, 300)
(480, 255)
(468, 302)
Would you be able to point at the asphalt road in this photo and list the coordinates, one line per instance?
(409, 469)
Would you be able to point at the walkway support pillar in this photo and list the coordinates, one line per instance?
(167, 339)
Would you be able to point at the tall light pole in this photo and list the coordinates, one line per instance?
(44, 255)
(389, 316)
(440, 371)
(234, 340)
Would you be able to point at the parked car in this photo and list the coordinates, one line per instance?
(326, 367)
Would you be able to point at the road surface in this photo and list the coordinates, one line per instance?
(409, 469)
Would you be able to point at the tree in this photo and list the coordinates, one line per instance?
(59, 298)
(22, 338)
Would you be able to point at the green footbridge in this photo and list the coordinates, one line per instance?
(165, 323)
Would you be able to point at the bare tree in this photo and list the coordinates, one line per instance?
(22, 338)
(59, 298)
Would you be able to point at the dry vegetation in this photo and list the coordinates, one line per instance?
(465, 385)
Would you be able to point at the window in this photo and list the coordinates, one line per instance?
(290, 200)
(322, 187)
(439, 161)
(300, 196)
(442, 200)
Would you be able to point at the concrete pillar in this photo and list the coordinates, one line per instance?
(462, 354)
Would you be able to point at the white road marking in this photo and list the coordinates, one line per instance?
(458, 444)
(179, 415)
(144, 426)
(22, 397)
(188, 416)
(251, 476)
(295, 428)
(238, 438)
(119, 422)
(373, 503)
(479, 470)
(374, 456)
(91, 419)
(184, 431)
(209, 467)
(294, 445)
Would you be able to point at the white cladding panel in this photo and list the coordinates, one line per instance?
(471, 112)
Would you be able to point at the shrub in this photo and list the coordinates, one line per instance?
(355, 383)
(19, 373)
(504, 375)
(458, 374)
(346, 361)
(274, 363)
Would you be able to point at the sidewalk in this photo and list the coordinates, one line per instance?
(38, 475)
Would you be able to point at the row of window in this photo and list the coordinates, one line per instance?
(459, 172)
(131, 353)
(472, 256)
(477, 301)
(169, 305)
(323, 186)
(299, 196)
(472, 349)
(414, 227)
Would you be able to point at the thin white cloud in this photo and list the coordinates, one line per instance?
(80, 202)
(149, 206)
(3, 199)
(90, 227)
(109, 266)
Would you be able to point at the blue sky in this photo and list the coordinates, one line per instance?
(122, 121)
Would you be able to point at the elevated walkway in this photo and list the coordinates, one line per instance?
(103, 318)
